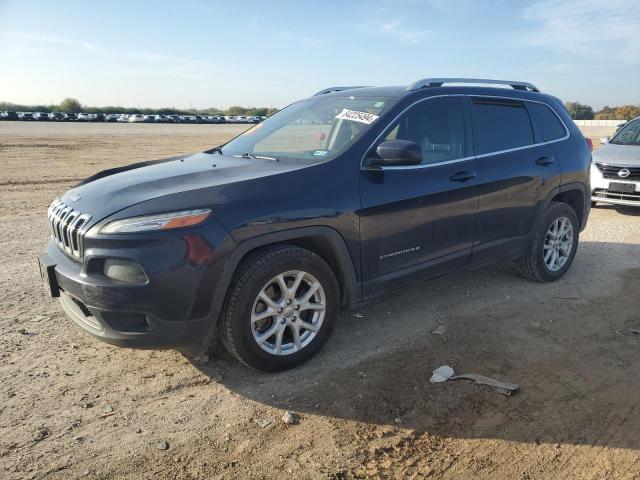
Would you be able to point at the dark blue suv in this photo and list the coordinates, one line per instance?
(334, 200)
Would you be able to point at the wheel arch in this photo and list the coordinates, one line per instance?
(575, 195)
(324, 241)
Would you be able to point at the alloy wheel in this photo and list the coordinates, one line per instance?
(558, 244)
(288, 312)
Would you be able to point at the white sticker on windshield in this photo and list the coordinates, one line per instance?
(320, 153)
(355, 116)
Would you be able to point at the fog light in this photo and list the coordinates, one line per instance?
(124, 271)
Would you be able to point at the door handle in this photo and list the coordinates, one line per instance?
(462, 176)
(544, 161)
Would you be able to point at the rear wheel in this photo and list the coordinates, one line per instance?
(553, 245)
(280, 308)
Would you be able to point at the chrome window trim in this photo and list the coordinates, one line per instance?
(463, 159)
(420, 166)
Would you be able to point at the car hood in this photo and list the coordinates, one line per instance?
(628, 155)
(113, 190)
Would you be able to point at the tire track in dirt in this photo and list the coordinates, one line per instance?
(48, 181)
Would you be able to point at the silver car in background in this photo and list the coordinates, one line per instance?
(615, 173)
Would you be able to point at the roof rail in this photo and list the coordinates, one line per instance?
(438, 82)
(337, 89)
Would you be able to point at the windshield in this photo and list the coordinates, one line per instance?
(318, 128)
(629, 135)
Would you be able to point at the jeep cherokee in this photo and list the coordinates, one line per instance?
(334, 200)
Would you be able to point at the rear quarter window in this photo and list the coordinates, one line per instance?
(501, 126)
(548, 122)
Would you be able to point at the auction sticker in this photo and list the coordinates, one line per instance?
(355, 116)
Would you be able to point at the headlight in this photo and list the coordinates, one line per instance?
(162, 221)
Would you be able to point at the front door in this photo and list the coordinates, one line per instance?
(419, 221)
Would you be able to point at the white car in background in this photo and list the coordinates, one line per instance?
(137, 118)
(615, 172)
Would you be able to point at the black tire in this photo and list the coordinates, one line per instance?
(594, 204)
(532, 265)
(234, 325)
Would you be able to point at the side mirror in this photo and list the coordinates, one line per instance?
(604, 140)
(397, 153)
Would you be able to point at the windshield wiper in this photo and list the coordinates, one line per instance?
(214, 150)
(256, 157)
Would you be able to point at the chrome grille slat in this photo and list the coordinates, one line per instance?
(67, 227)
(66, 237)
(74, 241)
(58, 222)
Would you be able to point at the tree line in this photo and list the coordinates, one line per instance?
(71, 105)
(580, 111)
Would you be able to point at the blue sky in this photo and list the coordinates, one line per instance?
(220, 53)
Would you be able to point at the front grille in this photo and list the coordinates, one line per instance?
(67, 227)
(611, 172)
(608, 195)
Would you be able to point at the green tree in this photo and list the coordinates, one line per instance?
(257, 112)
(627, 112)
(606, 113)
(236, 110)
(579, 111)
(70, 105)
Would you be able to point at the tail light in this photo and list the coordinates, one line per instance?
(589, 144)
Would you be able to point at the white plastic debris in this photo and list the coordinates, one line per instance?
(440, 330)
(288, 418)
(441, 374)
(445, 372)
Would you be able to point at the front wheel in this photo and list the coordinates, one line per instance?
(553, 245)
(280, 308)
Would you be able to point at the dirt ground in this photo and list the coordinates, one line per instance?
(596, 133)
(73, 407)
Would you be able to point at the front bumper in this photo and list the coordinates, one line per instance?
(602, 193)
(170, 310)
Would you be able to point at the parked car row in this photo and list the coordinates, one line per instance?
(126, 118)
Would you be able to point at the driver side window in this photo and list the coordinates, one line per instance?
(437, 126)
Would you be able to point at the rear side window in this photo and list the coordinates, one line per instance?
(501, 126)
(548, 122)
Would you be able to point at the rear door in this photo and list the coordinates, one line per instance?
(419, 221)
(518, 170)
